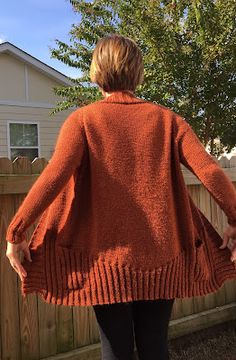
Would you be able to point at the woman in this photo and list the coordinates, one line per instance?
(118, 230)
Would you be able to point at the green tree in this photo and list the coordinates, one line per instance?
(189, 57)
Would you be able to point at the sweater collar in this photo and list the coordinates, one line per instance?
(122, 97)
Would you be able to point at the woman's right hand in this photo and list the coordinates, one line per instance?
(229, 240)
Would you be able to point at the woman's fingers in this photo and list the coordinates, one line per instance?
(26, 252)
(229, 240)
(15, 263)
(13, 252)
(233, 249)
(225, 240)
(229, 233)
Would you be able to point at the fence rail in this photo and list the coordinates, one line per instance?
(33, 329)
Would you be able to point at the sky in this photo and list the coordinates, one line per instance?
(33, 26)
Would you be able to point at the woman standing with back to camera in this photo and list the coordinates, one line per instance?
(119, 231)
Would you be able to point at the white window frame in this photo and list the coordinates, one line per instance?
(23, 147)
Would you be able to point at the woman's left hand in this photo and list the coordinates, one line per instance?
(229, 240)
(13, 254)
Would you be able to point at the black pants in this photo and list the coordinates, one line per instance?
(145, 321)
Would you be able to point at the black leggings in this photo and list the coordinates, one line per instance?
(145, 321)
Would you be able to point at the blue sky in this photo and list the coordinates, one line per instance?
(33, 26)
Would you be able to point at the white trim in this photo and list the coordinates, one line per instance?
(39, 141)
(26, 83)
(39, 65)
(8, 140)
(33, 104)
(23, 147)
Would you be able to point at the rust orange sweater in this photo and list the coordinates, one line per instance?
(117, 223)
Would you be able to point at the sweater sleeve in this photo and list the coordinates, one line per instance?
(194, 156)
(66, 157)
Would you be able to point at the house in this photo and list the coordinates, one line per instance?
(26, 100)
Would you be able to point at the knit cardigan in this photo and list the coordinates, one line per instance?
(116, 222)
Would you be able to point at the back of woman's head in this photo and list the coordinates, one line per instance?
(117, 64)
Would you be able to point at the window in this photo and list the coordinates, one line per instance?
(23, 140)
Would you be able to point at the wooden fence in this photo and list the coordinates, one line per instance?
(32, 329)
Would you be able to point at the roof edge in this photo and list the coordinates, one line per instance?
(7, 47)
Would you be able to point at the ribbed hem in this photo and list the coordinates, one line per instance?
(71, 277)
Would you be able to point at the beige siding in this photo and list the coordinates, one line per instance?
(40, 87)
(22, 82)
(48, 126)
(3, 139)
(12, 75)
(26, 95)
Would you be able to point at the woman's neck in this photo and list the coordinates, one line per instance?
(106, 94)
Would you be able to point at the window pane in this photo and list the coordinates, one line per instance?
(16, 134)
(30, 135)
(30, 153)
(23, 135)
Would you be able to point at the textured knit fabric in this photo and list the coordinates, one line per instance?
(117, 223)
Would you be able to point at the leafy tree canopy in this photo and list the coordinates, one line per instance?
(189, 57)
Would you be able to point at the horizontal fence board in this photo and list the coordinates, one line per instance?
(202, 320)
(177, 328)
(19, 184)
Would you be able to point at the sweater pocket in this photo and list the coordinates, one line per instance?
(201, 266)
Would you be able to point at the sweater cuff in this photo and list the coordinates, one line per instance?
(15, 231)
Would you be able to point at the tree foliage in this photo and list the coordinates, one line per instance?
(189, 58)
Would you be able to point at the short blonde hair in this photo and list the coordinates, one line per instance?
(117, 64)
